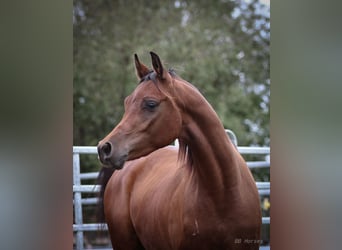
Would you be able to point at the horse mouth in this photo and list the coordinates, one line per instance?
(114, 163)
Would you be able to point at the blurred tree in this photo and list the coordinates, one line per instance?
(220, 46)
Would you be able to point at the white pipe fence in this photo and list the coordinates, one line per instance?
(79, 227)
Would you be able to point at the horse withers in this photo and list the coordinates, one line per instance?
(200, 195)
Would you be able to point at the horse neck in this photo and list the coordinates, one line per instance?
(215, 160)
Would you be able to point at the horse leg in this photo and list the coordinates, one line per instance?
(123, 239)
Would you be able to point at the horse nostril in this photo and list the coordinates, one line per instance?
(104, 151)
(107, 148)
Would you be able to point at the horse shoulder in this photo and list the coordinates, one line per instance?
(158, 199)
(117, 203)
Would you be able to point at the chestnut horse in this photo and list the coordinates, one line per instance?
(200, 195)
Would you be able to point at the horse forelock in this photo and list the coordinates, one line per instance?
(152, 76)
(149, 76)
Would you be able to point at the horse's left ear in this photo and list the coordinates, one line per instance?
(158, 66)
(141, 69)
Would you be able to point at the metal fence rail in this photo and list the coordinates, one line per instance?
(79, 227)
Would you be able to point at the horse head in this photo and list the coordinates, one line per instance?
(151, 120)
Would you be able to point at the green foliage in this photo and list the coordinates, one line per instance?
(222, 47)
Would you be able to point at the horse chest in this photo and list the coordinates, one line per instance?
(169, 226)
(188, 234)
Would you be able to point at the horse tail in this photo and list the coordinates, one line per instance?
(102, 180)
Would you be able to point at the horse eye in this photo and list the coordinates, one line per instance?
(150, 105)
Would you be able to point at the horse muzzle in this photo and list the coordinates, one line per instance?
(110, 157)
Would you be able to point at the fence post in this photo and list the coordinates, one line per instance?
(78, 201)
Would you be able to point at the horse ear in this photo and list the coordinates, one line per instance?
(141, 69)
(157, 65)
